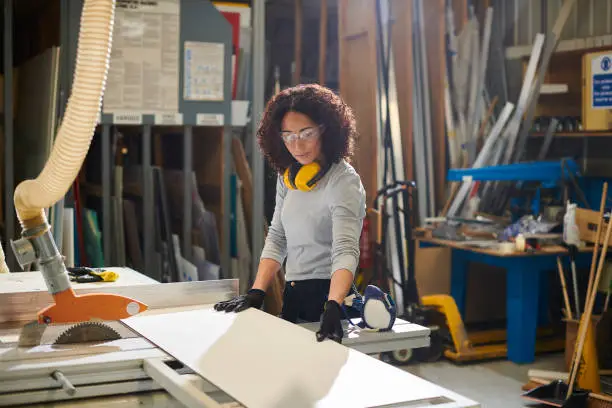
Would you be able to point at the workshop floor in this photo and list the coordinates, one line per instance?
(493, 384)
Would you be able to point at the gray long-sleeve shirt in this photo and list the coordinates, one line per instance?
(318, 231)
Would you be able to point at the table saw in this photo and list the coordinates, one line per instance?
(180, 352)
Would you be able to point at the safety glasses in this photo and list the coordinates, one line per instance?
(306, 134)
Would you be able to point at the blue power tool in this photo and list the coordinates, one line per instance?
(376, 308)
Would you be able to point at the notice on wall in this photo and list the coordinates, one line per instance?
(144, 69)
(601, 71)
(204, 64)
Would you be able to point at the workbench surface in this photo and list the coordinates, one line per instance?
(526, 287)
(468, 246)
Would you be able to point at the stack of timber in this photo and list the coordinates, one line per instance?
(469, 121)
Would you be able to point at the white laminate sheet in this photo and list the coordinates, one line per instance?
(265, 362)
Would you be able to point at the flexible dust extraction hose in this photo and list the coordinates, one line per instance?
(80, 119)
(32, 197)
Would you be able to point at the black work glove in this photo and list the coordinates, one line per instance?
(253, 298)
(331, 328)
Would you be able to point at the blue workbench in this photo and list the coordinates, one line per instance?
(526, 288)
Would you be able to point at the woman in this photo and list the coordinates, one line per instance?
(306, 135)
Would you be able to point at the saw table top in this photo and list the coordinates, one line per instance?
(263, 361)
(19, 282)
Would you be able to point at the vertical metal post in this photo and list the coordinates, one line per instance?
(226, 257)
(148, 218)
(187, 181)
(530, 7)
(106, 197)
(65, 70)
(427, 112)
(515, 25)
(9, 219)
(501, 9)
(62, 97)
(323, 42)
(297, 47)
(575, 15)
(259, 44)
(592, 18)
(609, 17)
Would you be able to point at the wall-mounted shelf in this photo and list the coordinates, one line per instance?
(582, 45)
(576, 134)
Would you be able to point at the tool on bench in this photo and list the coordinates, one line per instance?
(83, 274)
(376, 308)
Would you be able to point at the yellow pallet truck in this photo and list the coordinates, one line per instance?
(462, 346)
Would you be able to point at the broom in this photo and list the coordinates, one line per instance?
(568, 308)
(586, 320)
(594, 400)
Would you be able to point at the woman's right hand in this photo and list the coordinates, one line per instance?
(253, 298)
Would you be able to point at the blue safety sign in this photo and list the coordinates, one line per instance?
(601, 71)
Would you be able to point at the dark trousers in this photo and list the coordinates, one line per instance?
(303, 301)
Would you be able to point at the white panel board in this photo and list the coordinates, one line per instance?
(263, 361)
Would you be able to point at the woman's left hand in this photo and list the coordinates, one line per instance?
(331, 328)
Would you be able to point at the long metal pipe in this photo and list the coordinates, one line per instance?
(109, 253)
(419, 144)
(187, 193)
(257, 164)
(427, 117)
(147, 178)
(9, 186)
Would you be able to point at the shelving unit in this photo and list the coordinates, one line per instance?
(197, 133)
(206, 136)
(575, 134)
(195, 137)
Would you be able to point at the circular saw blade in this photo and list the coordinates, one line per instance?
(87, 332)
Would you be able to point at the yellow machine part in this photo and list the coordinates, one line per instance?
(447, 306)
(473, 346)
(588, 369)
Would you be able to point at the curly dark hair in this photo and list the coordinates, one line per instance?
(323, 107)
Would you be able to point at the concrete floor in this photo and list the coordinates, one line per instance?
(494, 384)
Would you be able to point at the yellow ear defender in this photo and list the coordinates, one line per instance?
(304, 178)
